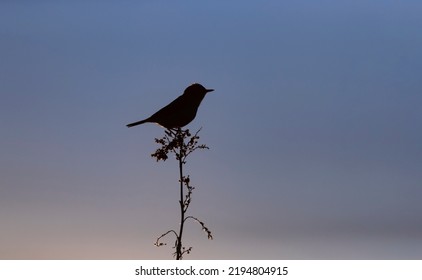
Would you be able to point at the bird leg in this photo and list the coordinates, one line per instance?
(173, 131)
(170, 132)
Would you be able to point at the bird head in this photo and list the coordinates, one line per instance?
(196, 89)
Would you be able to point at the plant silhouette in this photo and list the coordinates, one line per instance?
(182, 143)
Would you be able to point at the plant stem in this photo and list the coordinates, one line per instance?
(174, 142)
(182, 205)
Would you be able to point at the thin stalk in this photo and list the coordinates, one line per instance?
(182, 206)
(174, 142)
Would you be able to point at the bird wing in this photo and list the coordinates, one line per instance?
(169, 110)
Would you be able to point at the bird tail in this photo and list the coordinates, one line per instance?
(136, 123)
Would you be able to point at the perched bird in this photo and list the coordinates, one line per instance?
(180, 111)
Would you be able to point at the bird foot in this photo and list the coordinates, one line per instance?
(172, 131)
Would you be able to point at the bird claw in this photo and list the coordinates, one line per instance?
(172, 131)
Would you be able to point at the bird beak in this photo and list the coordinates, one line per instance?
(209, 90)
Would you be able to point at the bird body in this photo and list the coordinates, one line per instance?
(180, 111)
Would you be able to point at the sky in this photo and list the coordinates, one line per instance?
(314, 128)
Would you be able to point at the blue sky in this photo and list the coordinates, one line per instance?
(314, 128)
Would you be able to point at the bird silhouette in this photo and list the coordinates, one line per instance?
(180, 111)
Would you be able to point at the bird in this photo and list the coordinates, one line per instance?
(180, 111)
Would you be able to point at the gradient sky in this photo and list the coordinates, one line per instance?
(315, 128)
